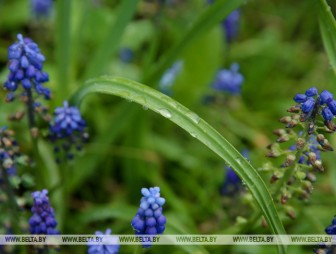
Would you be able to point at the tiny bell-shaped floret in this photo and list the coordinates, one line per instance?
(332, 106)
(300, 98)
(326, 97)
(327, 114)
(308, 105)
(312, 92)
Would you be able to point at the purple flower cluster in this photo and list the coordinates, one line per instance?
(101, 248)
(149, 219)
(26, 63)
(311, 102)
(43, 220)
(229, 80)
(68, 127)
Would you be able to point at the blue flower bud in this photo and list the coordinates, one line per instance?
(326, 96)
(312, 92)
(327, 114)
(300, 98)
(332, 106)
(308, 105)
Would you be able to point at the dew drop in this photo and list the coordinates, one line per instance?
(193, 134)
(165, 112)
(195, 118)
(145, 107)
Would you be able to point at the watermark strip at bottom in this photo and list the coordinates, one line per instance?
(167, 239)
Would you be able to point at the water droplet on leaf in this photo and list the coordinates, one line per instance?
(165, 112)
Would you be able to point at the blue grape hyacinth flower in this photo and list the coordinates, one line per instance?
(102, 248)
(67, 130)
(25, 69)
(229, 80)
(149, 219)
(41, 8)
(43, 220)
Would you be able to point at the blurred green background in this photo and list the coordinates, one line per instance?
(280, 52)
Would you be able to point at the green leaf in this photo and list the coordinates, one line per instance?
(328, 31)
(197, 128)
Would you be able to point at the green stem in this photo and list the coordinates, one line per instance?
(30, 109)
(32, 129)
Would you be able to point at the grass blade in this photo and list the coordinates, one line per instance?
(197, 127)
(63, 44)
(328, 31)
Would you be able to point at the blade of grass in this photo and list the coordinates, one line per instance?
(198, 129)
(328, 31)
(63, 44)
(105, 51)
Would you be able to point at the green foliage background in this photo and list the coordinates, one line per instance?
(280, 52)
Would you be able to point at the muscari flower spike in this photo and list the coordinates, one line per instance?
(229, 80)
(41, 8)
(9, 151)
(67, 130)
(102, 248)
(25, 69)
(43, 220)
(149, 219)
(303, 128)
(328, 249)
